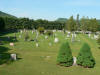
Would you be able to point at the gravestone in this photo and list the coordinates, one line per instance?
(95, 36)
(56, 40)
(37, 45)
(73, 38)
(68, 35)
(74, 61)
(32, 31)
(89, 35)
(45, 31)
(46, 37)
(13, 57)
(21, 31)
(54, 30)
(68, 32)
(11, 44)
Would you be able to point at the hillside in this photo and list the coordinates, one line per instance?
(62, 20)
(2, 14)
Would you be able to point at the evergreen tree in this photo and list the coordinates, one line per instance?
(93, 25)
(85, 22)
(71, 24)
(85, 57)
(65, 57)
(2, 24)
(78, 22)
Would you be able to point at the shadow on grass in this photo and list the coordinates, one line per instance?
(6, 40)
(5, 57)
(7, 32)
(3, 49)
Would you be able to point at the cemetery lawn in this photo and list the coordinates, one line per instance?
(42, 60)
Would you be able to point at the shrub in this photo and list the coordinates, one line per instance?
(65, 57)
(49, 33)
(41, 30)
(85, 57)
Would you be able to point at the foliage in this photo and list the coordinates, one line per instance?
(89, 24)
(71, 24)
(85, 57)
(49, 32)
(26, 23)
(78, 22)
(63, 20)
(2, 24)
(84, 24)
(65, 57)
(98, 40)
(94, 25)
(41, 30)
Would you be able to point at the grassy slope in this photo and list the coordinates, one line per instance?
(34, 61)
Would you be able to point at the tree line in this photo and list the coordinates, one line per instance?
(84, 24)
(71, 24)
(26, 23)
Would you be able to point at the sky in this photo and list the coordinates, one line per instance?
(51, 9)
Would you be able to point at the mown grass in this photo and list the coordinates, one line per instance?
(34, 59)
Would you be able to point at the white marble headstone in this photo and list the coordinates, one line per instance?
(32, 31)
(56, 40)
(21, 31)
(46, 37)
(89, 35)
(95, 36)
(54, 30)
(74, 61)
(68, 32)
(13, 56)
(37, 45)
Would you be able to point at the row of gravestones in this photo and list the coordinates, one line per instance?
(93, 37)
(46, 37)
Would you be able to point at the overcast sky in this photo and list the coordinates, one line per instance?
(51, 9)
